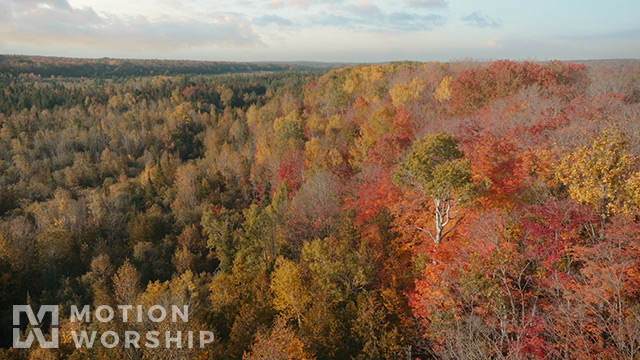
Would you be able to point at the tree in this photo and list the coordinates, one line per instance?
(290, 296)
(600, 317)
(185, 184)
(126, 283)
(219, 227)
(602, 175)
(281, 344)
(443, 92)
(401, 93)
(438, 169)
(314, 208)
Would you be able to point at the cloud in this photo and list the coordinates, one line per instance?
(300, 3)
(322, 2)
(276, 4)
(266, 20)
(56, 4)
(431, 4)
(366, 8)
(632, 34)
(494, 43)
(56, 23)
(477, 19)
(627, 34)
(411, 21)
(296, 4)
(376, 20)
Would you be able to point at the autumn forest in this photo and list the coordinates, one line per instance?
(463, 210)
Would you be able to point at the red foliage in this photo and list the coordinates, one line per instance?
(404, 122)
(472, 89)
(343, 170)
(389, 148)
(188, 92)
(496, 160)
(291, 169)
(360, 102)
(376, 193)
(550, 230)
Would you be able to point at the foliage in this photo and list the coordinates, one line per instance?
(437, 168)
(602, 175)
(460, 210)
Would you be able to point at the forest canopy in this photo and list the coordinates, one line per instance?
(464, 210)
(109, 68)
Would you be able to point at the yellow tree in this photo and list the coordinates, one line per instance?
(290, 297)
(379, 123)
(443, 92)
(281, 344)
(603, 174)
(401, 93)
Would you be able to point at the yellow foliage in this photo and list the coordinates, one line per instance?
(361, 76)
(632, 191)
(401, 93)
(4, 251)
(290, 297)
(263, 151)
(334, 158)
(223, 291)
(333, 125)
(367, 81)
(66, 329)
(39, 353)
(316, 123)
(313, 151)
(359, 151)
(282, 343)
(154, 292)
(289, 126)
(443, 92)
(380, 123)
(181, 113)
(148, 175)
(318, 157)
(602, 174)
(253, 116)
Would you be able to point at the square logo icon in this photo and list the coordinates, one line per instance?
(35, 332)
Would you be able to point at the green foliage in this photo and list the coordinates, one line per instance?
(437, 168)
(221, 236)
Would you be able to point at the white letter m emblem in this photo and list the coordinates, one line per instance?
(33, 321)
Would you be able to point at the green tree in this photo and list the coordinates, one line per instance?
(438, 169)
(219, 227)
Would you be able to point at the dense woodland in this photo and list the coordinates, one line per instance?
(401, 211)
(118, 68)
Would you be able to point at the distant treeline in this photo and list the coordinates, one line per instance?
(109, 68)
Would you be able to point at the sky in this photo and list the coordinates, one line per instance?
(323, 30)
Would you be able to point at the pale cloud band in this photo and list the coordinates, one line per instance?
(324, 30)
(56, 21)
(186, 24)
(478, 19)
